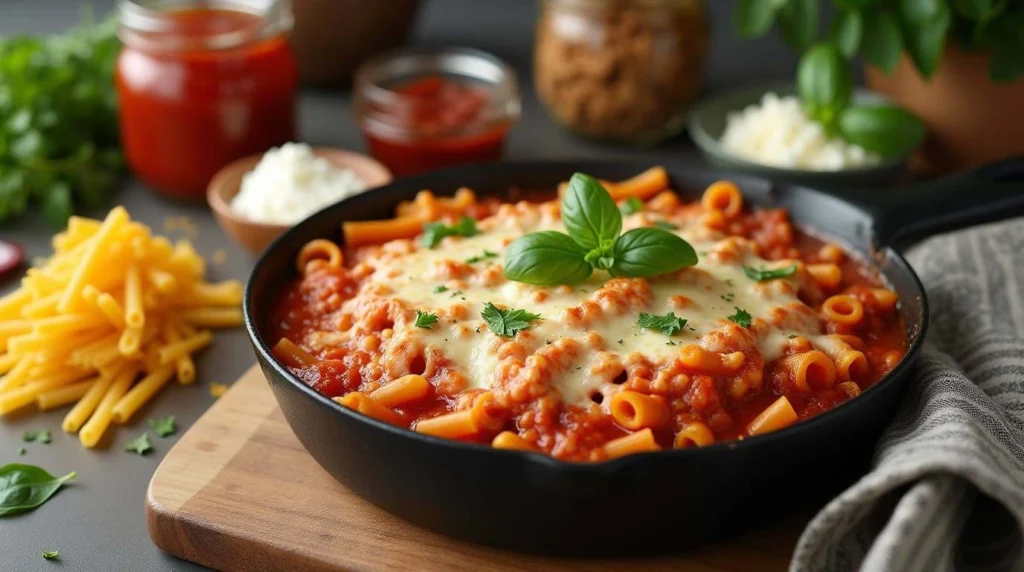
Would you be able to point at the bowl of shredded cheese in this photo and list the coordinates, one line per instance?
(764, 131)
(256, 198)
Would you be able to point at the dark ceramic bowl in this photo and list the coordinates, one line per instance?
(641, 504)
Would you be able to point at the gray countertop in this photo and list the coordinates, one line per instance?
(98, 523)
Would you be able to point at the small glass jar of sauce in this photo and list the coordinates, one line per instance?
(422, 110)
(202, 84)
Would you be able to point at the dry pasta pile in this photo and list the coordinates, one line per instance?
(106, 322)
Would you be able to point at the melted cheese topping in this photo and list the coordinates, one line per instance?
(441, 281)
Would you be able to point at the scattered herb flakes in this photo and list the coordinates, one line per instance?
(760, 274)
(620, 341)
(791, 336)
(440, 289)
(139, 445)
(670, 343)
(456, 293)
(163, 427)
(729, 282)
(631, 205)
(507, 323)
(547, 341)
(485, 256)
(433, 232)
(669, 324)
(51, 554)
(218, 389)
(741, 317)
(425, 319)
(728, 297)
(27, 487)
(41, 436)
(21, 451)
(665, 225)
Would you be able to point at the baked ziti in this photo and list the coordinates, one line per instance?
(616, 320)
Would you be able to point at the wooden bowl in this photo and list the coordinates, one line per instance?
(255, 236)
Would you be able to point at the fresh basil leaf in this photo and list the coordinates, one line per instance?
(668, 324)
(848, 32)
(434, 232)
(589, 213)
(631, 205)
(883, 129)
(644, 252)
(546, 258)
(741, 317)
(753, 18)
(798, 23)
(925, 24)
(41, 436)
(761, 274)
(163, 427)
(26, 487)
(882, 44)
(51, 554)
(824, 83)
(507, 323)
(425, 319)
(140, 445)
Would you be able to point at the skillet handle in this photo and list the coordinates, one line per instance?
(986, 194)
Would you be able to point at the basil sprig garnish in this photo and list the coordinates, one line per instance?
(594, 224)
(26, 487)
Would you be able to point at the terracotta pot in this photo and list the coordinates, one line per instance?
(332, 37)
(970, 119)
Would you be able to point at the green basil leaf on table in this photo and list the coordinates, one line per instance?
(51, 554)
(753, 18)
(163, 427)
(26, 487)
(139, 445)
(645, 252)
(824, 83)
(848, 32)
(589, 213)
(40, 436)
(546, 258)
(798, 23)
(925, 25)
(883, 129)
(882, 44)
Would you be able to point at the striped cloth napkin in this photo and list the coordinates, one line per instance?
(947, 487)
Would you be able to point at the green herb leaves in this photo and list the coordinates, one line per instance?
(487, 255)
(741, 317)
(760, 274)
(507, 323)
(824, 83)
(425, 319)
(631, 205)
(41, 436)
(433, 232)
(668, 324)
(883, 129)
(163, 427)
(51, 554)
(140, 445)
(26, 487)
(593, 223)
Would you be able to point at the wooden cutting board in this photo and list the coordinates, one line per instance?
(238, 492)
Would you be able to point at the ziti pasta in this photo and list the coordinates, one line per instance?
(510, 325)
(106, 322)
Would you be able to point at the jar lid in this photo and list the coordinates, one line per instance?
(182, 25)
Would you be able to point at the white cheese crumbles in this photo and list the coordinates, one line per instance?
(290, 183)
(778, 133)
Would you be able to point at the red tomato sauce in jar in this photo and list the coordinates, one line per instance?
(200, 88)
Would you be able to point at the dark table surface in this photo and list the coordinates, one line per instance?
(99, 524)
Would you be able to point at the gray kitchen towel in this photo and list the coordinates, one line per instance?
(946, 489)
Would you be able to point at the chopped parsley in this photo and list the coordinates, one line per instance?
(425, 319)
(485, 256)
(433, 232)
(140, 445)
(665, 225)
(620, 341)
(632, 205)
(670, 343)
(741, 317)
(456, 293)
(760, 274)
(729, 297)
(163, 427)
(440, 289)
(51, 554)
(791, 336)
(728, 282)
(507, 323)
(669, 324)
(41, 436)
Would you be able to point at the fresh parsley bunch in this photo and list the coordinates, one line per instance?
(58, 121)
(594, 224)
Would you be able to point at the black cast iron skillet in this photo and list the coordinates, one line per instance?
(641, 504)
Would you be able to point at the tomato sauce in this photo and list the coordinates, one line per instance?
(205, 89)
(432, 123)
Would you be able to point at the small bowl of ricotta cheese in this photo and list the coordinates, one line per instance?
(256, 198)
(764, 131)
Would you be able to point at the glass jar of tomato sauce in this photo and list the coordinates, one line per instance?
(201, 84)
(423, 109)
